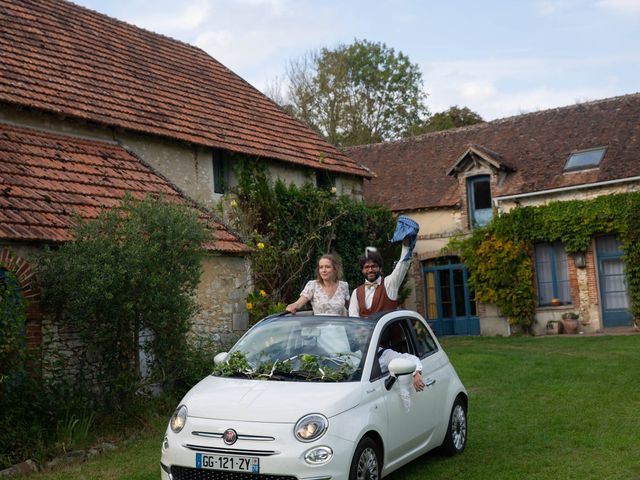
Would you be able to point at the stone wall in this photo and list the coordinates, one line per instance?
(224, 285)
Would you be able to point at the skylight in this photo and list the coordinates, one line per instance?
(585, 159)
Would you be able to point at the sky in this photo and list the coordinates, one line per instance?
(499, 58)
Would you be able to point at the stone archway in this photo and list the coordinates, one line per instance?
(25, 276)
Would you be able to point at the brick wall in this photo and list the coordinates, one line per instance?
(25, 276)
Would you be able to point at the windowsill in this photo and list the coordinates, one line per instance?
(555, 308)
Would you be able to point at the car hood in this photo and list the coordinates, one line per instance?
(269, 401)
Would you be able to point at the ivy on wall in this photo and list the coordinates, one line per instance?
(499, 256)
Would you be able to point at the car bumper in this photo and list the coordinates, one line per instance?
(279, 453)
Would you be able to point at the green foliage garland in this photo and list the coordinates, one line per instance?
(309, 368)
(499, 255)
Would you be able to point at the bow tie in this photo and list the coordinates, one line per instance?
(368, 284)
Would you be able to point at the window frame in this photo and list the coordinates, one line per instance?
(471, 200)
(577, 168)
(554, 248)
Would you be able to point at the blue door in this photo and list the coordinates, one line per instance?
(613, 283)
(450, 308)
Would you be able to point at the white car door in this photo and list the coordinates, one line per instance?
(415, 418)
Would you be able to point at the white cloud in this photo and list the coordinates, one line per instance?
(499, 88)
(553, 7)
(620, 6)
(187, 16)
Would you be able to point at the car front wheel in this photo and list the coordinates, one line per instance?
(366, 461)
(456, 438)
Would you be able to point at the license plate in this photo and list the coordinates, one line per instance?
(226, 462)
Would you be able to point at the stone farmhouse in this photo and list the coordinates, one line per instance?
(92, 108)
(455, 180)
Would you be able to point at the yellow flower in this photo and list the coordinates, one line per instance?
(260, 246)
(263, 293)
(334, 189)
(233, 204)
(249, 306)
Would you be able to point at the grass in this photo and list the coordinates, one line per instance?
(540, 408)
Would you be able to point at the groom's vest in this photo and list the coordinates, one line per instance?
(380, 303)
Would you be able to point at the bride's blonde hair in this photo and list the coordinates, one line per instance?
(335, 262)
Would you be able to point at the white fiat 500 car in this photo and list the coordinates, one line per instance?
(303, 397)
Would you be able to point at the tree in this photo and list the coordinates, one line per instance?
(131, 269)
(454, 117)
(355, 94)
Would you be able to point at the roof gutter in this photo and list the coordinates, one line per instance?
(565, 189)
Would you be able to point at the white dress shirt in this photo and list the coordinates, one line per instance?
(391, 284)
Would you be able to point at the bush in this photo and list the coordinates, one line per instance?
(132, 269)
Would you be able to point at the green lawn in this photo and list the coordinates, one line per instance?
(540, 408)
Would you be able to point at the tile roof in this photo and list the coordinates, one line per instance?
(63, 58)
(412, 173)
(47, 178)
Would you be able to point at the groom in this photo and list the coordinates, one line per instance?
(380, 293)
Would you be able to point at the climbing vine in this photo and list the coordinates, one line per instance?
(499, 256)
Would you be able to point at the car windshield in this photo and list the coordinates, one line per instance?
(296, 347)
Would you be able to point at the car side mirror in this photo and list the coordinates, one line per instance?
(397, 368)
(219, 358)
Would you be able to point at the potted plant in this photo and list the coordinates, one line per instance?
(570, 322)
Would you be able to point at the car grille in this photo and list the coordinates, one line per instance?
(230, 451)
(186, 473)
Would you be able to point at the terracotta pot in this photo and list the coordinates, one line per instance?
(570, 325)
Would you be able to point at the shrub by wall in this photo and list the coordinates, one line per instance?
(133, 268)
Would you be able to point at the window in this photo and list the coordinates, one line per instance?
(585, 159)
(325, 180)
(551, 273)
(219, 172)
(479, 195)
(426, 345)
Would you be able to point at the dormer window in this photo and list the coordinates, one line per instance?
(585, 159)
(479, 195)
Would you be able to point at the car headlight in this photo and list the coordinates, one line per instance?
(178, 419)
(311, 427)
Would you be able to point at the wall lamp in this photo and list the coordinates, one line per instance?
(579, 259)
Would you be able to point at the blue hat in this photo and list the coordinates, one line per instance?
(406, 228)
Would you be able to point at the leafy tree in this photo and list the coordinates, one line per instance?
(454, 117)
(133, 268)
(355, 94)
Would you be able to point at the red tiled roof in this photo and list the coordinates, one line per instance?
(48, 178)
(62, 58)
(412, 173)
